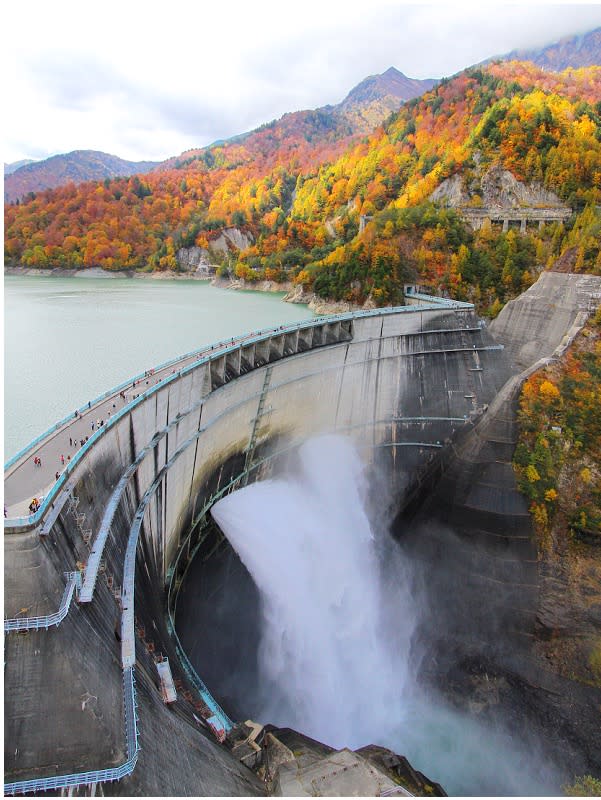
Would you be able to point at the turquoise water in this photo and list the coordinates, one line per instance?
(67, 340)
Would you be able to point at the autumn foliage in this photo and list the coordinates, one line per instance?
(349, 216)
(558, 456)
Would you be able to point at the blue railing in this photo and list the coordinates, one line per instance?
(49, 620)
(209, 350)
(217, 350)
(116, 389)
(99, 775)
(128, 636)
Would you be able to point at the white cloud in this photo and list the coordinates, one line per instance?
(147, 80)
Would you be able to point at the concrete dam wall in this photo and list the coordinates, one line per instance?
(91, 583)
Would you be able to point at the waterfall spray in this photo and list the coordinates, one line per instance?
(328, 667)
(339, 606)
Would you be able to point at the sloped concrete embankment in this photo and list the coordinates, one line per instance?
(474, 537)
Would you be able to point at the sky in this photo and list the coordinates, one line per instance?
(149, 79)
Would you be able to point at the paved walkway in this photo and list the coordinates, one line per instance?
(24, 481)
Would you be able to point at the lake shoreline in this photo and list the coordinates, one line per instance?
(292, 294)
(68, 341)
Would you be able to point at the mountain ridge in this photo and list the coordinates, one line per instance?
(579, 50)
(74, 167)
(367, 105)
(15, 165)
(364, 107)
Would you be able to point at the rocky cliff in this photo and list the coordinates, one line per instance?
(494, 188)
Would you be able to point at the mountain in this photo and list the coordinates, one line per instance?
(308, 135)
(352, 217)
(572, 51)
(376, 96)
(327, 128)
(75, 167)
(10, 168)
(387, 88)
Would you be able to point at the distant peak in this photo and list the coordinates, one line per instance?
(392, 85)
(393, 71)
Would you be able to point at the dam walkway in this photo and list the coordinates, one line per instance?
(128, 510)
(40, 468)
(25, 479)
(81, 647)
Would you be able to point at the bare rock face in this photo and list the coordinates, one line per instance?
(200, 259)
(193, 258)
(451, 192)
(501, 189)
(231, 237)
(498, 189)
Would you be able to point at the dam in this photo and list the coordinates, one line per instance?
(93, 576)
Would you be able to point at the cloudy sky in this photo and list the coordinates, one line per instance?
(148, 79)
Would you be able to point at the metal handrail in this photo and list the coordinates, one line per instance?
(22, 522)
(209, 350)
(128, 647)
(113, 391)
(49, 620)
(99, 775)
(91, 572)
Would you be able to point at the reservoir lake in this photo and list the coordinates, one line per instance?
(68, 340)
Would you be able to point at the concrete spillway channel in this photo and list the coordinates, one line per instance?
(85, 694)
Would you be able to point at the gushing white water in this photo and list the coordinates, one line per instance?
(338, 615)
(332, 664)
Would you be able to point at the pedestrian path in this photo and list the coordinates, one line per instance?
(26, 480)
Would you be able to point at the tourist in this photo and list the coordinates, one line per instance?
(92, 424)
(70, 441)
(62, 459)
(57, 476)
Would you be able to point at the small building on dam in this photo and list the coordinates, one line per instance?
(99, 690)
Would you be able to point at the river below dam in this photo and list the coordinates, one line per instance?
(67, 340)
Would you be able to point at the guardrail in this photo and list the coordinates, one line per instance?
(99, 775)
(428, 300)
(217, 350)
(128, 636)
(49, 620)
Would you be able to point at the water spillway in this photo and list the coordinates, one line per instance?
(131, 514)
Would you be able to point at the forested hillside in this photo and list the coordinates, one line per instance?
(303, 194)
(75, 167)
(558, 465)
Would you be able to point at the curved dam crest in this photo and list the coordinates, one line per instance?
(131, 515)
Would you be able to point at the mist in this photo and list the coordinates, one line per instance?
(338, 656)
